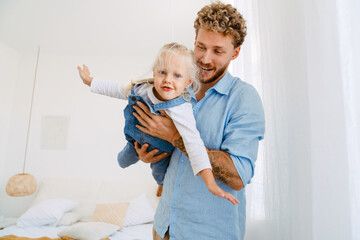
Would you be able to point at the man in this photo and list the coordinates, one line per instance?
(230, 119)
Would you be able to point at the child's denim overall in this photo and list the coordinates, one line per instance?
(128, 155)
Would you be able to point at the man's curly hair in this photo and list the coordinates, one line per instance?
(223, 18)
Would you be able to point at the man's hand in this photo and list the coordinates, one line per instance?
(85, 75)
(153, 124)
(149, 157)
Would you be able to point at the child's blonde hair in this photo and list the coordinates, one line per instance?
(164, 55)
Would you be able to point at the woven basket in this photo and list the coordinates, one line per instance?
(21, 184)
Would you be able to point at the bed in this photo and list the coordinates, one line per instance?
(88, 209)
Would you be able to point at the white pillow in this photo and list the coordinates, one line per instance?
(48, 212)
(140, 211)
(69, 218)
(89, 230)
(86, 211)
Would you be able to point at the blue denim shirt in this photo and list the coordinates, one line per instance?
(229, 118)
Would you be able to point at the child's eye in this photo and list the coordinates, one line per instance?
(162, 72)
(177, 75)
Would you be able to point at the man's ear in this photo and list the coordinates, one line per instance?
(195, 40)
(236, 53)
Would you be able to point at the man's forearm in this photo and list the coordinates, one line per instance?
(223, 167)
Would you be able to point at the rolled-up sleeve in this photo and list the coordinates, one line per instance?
(244, 129)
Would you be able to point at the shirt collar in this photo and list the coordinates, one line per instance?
(224, 84)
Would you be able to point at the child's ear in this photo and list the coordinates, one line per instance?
(189, 83)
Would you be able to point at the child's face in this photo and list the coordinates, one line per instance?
(172, 78)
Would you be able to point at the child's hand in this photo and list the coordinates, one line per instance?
(231, 198)
(208, 178)
(85, 75)
(216, 190)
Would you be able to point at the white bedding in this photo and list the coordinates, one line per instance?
(31, 232)
(87, 193)
(141, 232)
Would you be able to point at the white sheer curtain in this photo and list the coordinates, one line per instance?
(350, 59)
(304, 58)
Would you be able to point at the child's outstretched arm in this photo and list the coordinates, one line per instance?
(103, 87)
(85, 75)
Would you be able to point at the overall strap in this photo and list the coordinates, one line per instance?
(133, 90)
(169, 104)
(188, 96)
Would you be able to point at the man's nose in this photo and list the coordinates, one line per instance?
(206, 57)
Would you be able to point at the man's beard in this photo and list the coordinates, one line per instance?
(219, 73)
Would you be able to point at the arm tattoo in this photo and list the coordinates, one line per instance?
(179, 144)
(222, 166)
(219, 169)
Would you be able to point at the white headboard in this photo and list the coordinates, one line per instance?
(89, 192)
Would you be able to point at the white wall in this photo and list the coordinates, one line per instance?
(15, 133)
(9, 61)
(118, 40)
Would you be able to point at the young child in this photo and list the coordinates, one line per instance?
(175, 76)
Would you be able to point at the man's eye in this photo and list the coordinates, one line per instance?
(201, 47)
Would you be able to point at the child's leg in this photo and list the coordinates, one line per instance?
(159, 191)
(159, 169)
(209, 180)
(127, 156)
